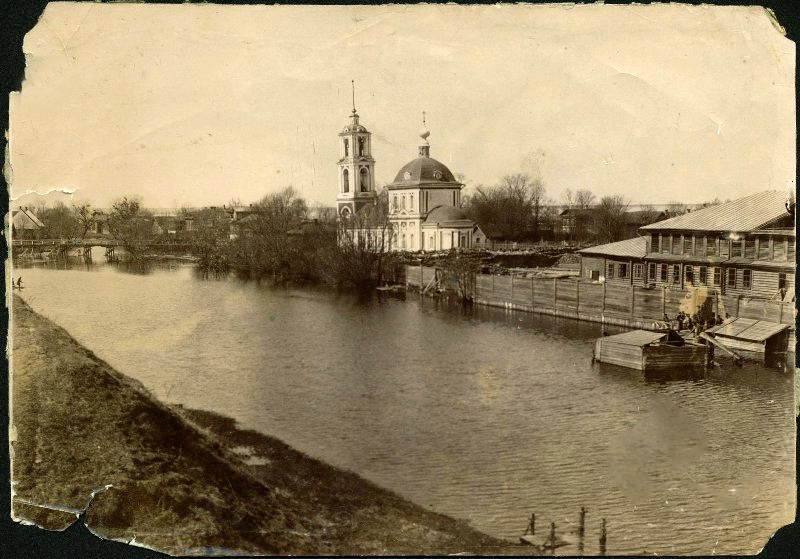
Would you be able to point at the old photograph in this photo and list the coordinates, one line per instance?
(404, 279)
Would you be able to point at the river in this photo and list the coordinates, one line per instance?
(483, 414)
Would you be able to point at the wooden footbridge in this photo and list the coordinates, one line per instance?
(63, 246)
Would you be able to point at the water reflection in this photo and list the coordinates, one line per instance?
(481, 413)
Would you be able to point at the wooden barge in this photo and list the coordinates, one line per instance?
(650, 352)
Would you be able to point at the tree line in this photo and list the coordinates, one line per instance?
(282, 239)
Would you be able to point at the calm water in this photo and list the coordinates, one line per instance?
(486, 415)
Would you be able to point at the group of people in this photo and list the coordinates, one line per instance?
(692, 322)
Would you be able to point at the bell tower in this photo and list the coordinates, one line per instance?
(356, 167)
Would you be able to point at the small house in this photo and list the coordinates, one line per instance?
(651, 352)
(25, 225)
(757, 339)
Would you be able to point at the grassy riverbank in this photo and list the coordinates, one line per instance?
(185, 481)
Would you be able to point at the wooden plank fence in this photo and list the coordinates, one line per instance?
(623, 305)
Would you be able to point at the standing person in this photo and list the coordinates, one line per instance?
(19, 282)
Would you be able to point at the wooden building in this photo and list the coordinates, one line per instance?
(651, 352)
(753, 338)
(738, 255)
(618, 263)
(744, 247)
(25, 224)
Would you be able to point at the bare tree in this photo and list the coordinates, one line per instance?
(263, 249)
(513, 208)
(362, 251)
(584, 199)
(568, 197)
(86, 216)
(610, 218)
(131, 224)
(676, 207)
(59, 221)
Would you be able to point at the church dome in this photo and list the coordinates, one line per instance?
(350, 128)
(424, 171)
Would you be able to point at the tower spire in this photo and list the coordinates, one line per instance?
(424, 146)
(353, 84)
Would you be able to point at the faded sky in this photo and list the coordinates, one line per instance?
(199, 104)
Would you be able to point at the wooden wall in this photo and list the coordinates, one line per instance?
(578, 298)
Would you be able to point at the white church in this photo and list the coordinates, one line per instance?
(424, 198)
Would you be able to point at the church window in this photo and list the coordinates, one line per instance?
(362, 145)
(346, 147)
(454, 198)
(412, 202)
(403, 240)
(404, 201)
(394, 202)
(364, 179)
(411, 241)
(346, 180)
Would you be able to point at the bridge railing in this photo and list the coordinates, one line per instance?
(95, 242)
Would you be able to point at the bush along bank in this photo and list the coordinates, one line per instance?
(177, 479)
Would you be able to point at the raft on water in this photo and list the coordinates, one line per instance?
(649, 351)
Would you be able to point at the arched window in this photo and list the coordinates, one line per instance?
(394, 202)
(411, 241)
(362, 143)
(364, 179)
(404, 201)
(346, 180)
(345, 212)
(412, 202)
(346, 147)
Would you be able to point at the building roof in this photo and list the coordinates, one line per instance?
(447, 215)
(629, 248)
(24, 218)
(745, 214)
(687, 258)
(579, 212)
(425, 171)
(637, 338)
(748, 329)
(643, 217)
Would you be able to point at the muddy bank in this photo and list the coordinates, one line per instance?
(187, 481)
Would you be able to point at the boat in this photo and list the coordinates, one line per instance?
(650, 352)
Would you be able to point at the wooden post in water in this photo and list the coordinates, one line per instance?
(551, 539)
(582, 521)
(603, 538)
(603, 310)
(555, 294)
(531, 529)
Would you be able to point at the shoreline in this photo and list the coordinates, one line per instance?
(90, 440)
